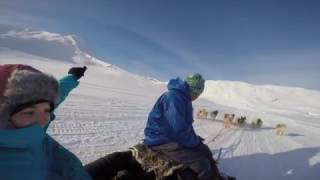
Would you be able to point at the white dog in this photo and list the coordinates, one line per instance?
(257, 123)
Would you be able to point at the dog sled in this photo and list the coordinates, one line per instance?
(140, 162)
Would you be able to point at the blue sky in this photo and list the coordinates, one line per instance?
(259, 42)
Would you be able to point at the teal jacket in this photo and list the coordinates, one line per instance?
(30, 153)
(66, 85)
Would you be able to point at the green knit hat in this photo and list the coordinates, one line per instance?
(196, 83)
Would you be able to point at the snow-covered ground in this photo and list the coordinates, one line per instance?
(109, 109)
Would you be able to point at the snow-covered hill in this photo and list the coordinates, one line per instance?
(298, 102)
(67, 48)
(109, 109)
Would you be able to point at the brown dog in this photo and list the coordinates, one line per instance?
(228, 120)
(202, 114)
(280, 128)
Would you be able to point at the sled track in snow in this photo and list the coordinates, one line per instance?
(99, 127)
(226, 138)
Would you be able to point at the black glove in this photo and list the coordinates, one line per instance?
(78, 72)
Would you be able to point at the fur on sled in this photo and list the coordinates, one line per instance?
(156, 162)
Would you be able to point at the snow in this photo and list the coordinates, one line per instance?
(109, 109)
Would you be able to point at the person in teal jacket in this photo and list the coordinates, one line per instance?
(70, 81)
(27, 99)
(67, 84)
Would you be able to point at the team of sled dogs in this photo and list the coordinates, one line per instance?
(230, 120)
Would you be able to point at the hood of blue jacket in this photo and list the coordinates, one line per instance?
(171, 118)
(179, 85)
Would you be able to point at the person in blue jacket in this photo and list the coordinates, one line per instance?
(169, 127)
(27, 99)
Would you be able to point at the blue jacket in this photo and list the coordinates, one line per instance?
(171, 117)
(29, 153)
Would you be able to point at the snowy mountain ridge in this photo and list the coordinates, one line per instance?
(240, 95)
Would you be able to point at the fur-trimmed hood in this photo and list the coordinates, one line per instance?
(22, 84)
